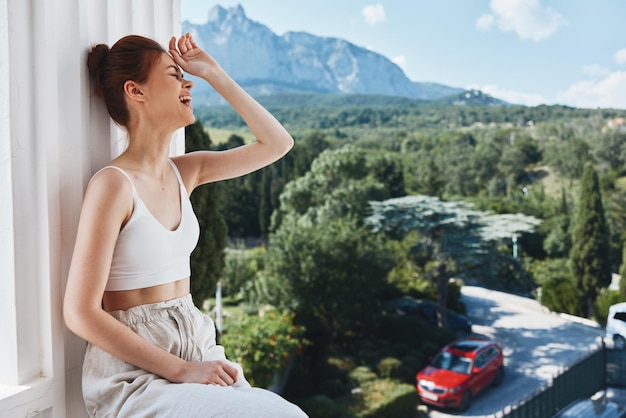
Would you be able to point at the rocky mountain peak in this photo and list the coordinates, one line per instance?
(265, 63)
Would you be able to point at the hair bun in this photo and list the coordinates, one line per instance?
(96, 60)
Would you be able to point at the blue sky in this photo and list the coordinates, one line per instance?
(530, 52)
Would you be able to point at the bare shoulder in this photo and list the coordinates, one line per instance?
(109, 180)
(109, 192)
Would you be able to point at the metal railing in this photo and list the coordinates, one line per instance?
(594, 372)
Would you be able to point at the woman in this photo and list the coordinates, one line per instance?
(150, 352)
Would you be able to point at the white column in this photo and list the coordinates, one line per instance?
(53, 136)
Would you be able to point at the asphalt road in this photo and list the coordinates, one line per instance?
(537, 345)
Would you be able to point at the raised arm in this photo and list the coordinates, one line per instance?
(273, 140)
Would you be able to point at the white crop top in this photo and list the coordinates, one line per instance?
(147, 253)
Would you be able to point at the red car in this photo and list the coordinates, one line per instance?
(459, 372)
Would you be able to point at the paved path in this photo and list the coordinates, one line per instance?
(537, 345)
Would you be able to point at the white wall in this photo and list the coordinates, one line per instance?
(53, 136)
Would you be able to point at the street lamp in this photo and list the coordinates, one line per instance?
(218, 307)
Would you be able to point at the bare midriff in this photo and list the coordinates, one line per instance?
(120, 300)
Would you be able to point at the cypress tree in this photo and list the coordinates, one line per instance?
(207, 260)
(622, 273)
(589, 255)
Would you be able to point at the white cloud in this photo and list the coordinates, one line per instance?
(527, 18)
(374, 14)
(486, 22)
(595, 70)
(400, 60)
(602, 92)
(607, 92)
(620, 56)
(510, 96)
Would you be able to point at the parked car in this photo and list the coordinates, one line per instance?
(428, 311)
(616, 325)
(595, 407)
(459, 372)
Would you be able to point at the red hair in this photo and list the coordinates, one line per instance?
(130, 58)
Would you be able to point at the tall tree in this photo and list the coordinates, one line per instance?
(388, 171)
(207, 260)
(589, 256)
(558, 241)
(622, 273)
(330, 271)
(321, 261)
(459, 236)
(240, 199)
(339, 179)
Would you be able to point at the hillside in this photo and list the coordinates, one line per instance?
(340, 111)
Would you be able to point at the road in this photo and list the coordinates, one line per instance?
(537, 345)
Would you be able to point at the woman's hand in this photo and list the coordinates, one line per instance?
(209, 373)
(191, 58)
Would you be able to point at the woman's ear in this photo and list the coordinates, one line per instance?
(133, 91)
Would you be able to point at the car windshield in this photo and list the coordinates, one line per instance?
(452, 362)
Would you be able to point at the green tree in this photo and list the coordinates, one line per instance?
(321, 261)
(388, 171)
(240, 199)
(207, 260)
(558, 241)
(307, 150)
(458, 236)
(339, 179)
(330, 271)
(622, 273)
(589, 256)
(610, 148)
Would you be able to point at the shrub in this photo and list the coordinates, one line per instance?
(381, 398)
(390, 368)
(334, 388)
(362, 374)
(560, 295)
(319, 406)
(263, 345)
(603, 302)
(332, 367)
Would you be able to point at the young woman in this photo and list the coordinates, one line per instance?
(150, 352)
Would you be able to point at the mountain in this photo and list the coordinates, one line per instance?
(298, 62)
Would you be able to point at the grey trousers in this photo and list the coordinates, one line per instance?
(113, 388)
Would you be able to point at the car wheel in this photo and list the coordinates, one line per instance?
(466, 400)
(619, 341)
(497, 381)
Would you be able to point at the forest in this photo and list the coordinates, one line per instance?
(383, 197)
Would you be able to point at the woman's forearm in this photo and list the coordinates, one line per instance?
(107, 333)
(261, 122)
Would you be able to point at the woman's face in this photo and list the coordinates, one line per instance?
(168, 94)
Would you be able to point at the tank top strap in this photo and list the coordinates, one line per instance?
(135, 195)
(180, 179)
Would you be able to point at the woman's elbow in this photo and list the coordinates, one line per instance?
(69, 316)
(73, 316)
(288, 144)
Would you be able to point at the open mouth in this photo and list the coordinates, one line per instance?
(186, 100)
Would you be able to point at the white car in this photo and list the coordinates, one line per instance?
(616, 325)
